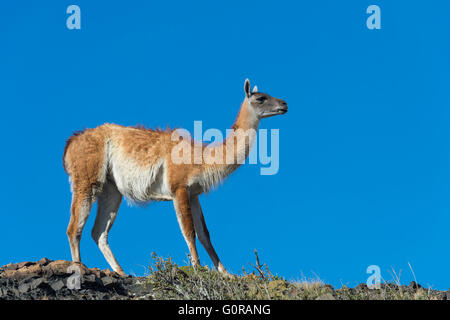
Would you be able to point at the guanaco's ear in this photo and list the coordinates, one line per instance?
(248, 93)
(255, 89)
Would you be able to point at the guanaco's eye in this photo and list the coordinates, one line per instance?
(261, 99)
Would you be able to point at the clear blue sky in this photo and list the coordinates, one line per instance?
(364, 150)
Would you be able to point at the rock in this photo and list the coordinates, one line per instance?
(44, 262)
(91, 281)
(108, 281)
(24, 287)
(58, 285)
(24, 264)
(10, 266)
(15, 266)
(139, 289)
(15, 292)
(39, 282)
(48, 273)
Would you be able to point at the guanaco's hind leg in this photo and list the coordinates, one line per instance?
(184, 215)
(108, 205)
(80, 208)
(203, 235)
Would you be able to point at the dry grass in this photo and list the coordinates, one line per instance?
(170, 281)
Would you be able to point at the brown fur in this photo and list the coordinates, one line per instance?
(84, 158)
(68, 142)
(183, 208)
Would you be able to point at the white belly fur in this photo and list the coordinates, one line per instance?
(138, 183)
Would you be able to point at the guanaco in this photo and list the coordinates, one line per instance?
(110, 162)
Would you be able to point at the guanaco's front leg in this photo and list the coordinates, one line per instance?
(203, 235)
(184, 215)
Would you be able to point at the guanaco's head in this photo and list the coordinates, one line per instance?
(263, 104)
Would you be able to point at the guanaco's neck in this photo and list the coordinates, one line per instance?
(235, 148)
(246, 119)
(242, 137)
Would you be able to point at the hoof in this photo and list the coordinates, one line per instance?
(224, 271)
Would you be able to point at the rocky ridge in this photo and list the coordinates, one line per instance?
(60, 279)
(63, 280)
